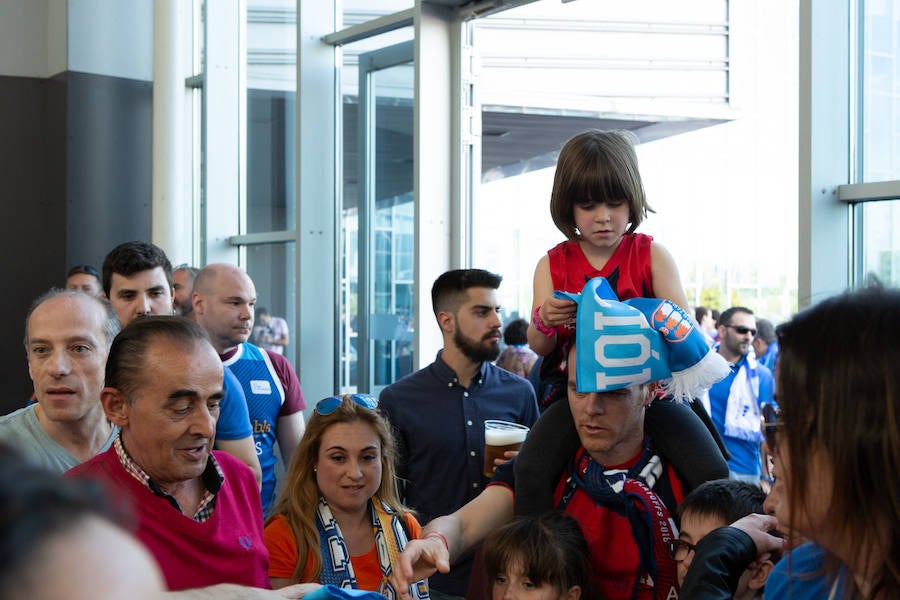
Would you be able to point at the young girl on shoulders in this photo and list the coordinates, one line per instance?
(598, 202)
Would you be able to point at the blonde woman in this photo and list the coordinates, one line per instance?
(340, 502)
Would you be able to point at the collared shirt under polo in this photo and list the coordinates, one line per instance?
(212, 482)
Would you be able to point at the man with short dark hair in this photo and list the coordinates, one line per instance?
(182, 286)
(67, 337)
(84, 278)
(703, 317)
(224, 297)
(74, 529)
(66, 528)
(438, 413)
(137, 279)
(735, 403)
(198, 511)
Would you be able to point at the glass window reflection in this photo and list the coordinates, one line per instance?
(271, 110)
(880, 252)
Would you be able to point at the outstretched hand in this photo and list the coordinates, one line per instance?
(420, 559)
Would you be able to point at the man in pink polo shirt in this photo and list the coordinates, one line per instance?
(197, 511)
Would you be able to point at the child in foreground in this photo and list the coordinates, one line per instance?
(715, 504)
(543, 557)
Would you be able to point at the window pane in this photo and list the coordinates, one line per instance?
(881, 241)
(880, 97)
(361, 11)
(392, 312)
(272, 268)
(271, 107)
(718, 153)
(391, 222)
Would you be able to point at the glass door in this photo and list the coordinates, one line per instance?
(378, 250)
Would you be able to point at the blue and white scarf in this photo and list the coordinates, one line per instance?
(390, 540)
(742, 414)
(629, 493)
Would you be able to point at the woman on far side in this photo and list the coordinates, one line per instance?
(838, 445)
(341, 501)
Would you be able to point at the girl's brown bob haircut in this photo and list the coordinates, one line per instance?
(597, 166)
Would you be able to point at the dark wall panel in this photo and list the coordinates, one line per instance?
(109, 152)
(32, 211)
(75, 180)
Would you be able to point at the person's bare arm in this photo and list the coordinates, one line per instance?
(230, 591)
(553, 311)
(245, 451)
(279, 582)
(666, 280)
(289, 430)
(463, 529)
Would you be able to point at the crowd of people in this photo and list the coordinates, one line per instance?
(671, 450)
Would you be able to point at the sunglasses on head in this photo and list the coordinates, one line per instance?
(742, 330)
(328, 405)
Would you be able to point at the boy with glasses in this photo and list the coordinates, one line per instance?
(717, 504)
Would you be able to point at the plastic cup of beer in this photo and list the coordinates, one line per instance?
(500, 437)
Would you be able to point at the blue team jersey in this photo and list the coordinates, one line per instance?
(265, 397)
(234, 421)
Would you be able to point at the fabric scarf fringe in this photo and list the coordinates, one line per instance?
(693, 381)
(742, 413)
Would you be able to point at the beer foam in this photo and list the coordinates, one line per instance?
(504, 437)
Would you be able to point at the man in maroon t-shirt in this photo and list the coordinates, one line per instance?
(224, 298)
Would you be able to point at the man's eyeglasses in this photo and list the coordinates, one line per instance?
(679, 549)
(328, 405)
(771, 421)
(742, 330)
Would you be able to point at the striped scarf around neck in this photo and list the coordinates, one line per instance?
(630, 494)
(390, 540)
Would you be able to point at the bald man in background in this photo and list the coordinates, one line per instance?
(224, 299)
